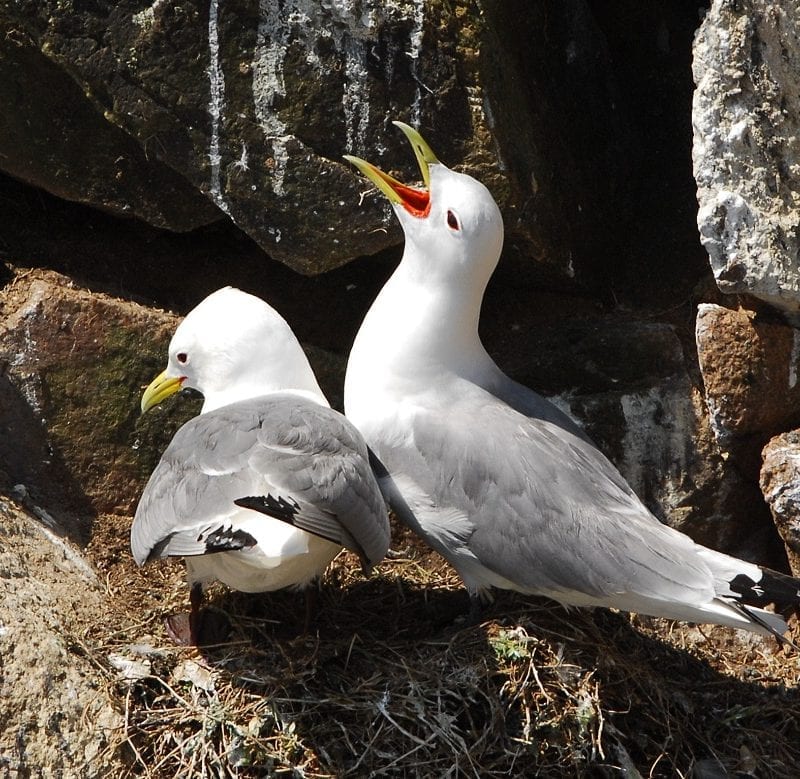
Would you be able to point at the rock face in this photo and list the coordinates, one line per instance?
(53, 131)
(750, 369)
(749, 363)
(75, 362)
(57, 716)
(242, 111)
(746, 118)
(780, 482)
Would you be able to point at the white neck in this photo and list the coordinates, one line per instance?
(303, 384)
(415, 327)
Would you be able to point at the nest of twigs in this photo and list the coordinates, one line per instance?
(392, 680)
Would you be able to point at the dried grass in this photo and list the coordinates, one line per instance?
(391, 682)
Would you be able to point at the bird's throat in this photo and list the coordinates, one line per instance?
(413, 329)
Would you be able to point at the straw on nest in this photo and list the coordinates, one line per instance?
(392, 681)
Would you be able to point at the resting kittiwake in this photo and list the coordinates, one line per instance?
(265, 461)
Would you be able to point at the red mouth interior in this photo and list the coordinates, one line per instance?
(416, 201)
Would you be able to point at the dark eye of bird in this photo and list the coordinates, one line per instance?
(452, 221)
(182, 358)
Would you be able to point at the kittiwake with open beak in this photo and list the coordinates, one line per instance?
(493, 476)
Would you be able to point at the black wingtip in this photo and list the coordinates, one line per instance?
(757, 619)
(773, 587)
(228, 540)
(284, 509)
(209, 541)
(378, 468)
(288, 511)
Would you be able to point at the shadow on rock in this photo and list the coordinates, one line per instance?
(32, 469)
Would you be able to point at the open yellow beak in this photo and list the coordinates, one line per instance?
(160, 388)
(423, 153)
(415, 201)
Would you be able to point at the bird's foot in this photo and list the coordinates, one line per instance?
(178, 627)
(198, 626)
(201, 628)
(474, 614)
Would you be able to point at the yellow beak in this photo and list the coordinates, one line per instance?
(160, 388)
(425, 157)
(415, 201)
(395, 191)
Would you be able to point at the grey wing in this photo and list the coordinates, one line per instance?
(282, 450)
(538, 505)
(326, 469)
(187, 504)
(526, 401)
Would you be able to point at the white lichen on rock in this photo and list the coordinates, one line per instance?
(746, 154)
(146, 18)
(660, 423)
(353, 29)
(216, 106)
(794, 358)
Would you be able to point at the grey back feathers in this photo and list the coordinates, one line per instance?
(281, 448)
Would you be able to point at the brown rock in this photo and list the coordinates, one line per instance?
(750, 372)
(780, 483)
(75, 363)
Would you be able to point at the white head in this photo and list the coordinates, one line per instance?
(453, 227)
(230, 347)
(462, 231)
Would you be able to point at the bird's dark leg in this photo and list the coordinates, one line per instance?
(475, 608)
(195, 613)
(311, 607)
(477, 601)
(185, 629)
